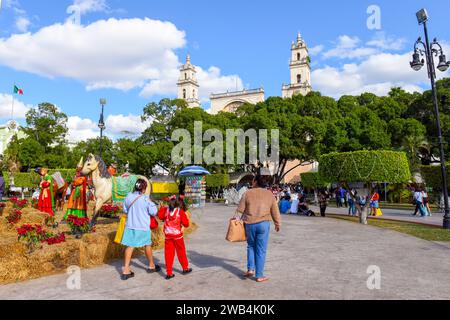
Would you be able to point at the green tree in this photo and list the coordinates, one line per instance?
(46, 125)
(370, 167)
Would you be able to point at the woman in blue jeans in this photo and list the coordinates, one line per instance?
(259, 207)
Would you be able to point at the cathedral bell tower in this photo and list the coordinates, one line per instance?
(300, 70)
(187, 84)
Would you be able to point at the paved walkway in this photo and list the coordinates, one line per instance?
(312, 258)
(395, 214)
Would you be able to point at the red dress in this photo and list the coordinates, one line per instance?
(45, 203)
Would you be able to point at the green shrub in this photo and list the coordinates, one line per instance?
(32, 179)
(365, 166)
(217, 180)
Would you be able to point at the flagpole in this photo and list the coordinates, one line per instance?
(12, 109)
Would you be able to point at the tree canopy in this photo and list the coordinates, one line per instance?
(310, 126)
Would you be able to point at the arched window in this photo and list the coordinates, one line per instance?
(184, 93)
(298, 56)
(299, 78)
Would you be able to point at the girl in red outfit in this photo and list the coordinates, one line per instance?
(174, 218)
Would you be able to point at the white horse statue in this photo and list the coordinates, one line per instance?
(103, 182)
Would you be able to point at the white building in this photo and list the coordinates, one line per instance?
(231, 101)
(188, 85)
(300, 70)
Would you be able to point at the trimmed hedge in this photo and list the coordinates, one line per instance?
(433, 178)
(312, 180)
(365, 166)
(217, 180)
(32, 179)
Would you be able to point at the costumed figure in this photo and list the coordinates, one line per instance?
(46, 199)
(77, 205)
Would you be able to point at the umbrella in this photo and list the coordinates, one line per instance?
(193, 171)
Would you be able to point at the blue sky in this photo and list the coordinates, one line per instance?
(121, 52)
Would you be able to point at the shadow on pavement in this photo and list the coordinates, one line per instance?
(204, 261)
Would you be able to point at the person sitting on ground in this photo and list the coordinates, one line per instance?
(285, 205)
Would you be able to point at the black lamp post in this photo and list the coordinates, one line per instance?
(429, 50)
(101, 125)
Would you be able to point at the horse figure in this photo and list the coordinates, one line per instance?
(103, 183)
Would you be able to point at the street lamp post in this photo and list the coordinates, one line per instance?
(101, 125)
(429, 50)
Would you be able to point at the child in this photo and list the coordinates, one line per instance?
(174, 218)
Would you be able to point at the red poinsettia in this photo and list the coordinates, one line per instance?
(14, 216)
(79, 225)
(59, 238)
(18, 204)
(110, 210)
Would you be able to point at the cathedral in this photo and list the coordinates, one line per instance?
(300, 83)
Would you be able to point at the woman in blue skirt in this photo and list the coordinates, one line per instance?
(139, 208)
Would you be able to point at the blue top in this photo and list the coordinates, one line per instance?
(140, 212)
(343, 192)
(285, 206)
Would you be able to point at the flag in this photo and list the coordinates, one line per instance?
(17, 90)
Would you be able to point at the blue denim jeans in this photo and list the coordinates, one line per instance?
(257, 241)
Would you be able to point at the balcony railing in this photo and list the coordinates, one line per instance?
(236, 93)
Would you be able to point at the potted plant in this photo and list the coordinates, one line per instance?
(79, 226)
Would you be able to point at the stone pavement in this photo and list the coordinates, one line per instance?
(312, 258)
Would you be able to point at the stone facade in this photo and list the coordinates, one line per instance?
(231, 101)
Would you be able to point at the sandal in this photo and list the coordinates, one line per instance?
(126, 277)
(155, 270)
(170, 277)
(263, 279)
(249, 274)
(187, 271)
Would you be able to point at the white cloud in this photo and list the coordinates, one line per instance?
(81, 129)
(22, 24)
(116, 53)
(377, 74)
(86, 6)
(116, 126)
(347, 48)
(120, 54)
(20, 109)
(125, 125)
(384, 42)
(210, 81)
(316, 50)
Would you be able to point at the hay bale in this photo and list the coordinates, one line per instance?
(94, 249)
